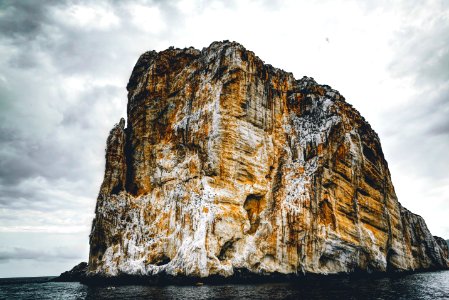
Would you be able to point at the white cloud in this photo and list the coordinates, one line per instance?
(148, 19)
(187, 7)
(87, 17)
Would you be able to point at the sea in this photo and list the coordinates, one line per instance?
(430, 285)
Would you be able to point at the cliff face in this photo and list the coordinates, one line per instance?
(228, 163)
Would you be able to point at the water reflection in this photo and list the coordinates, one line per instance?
(434, 285)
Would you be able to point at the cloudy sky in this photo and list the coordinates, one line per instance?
(64, 66)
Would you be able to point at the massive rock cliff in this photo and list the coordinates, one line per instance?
(228, 163)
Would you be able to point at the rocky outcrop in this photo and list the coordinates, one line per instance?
(76, 274)
(230, 164)
(427, 251)
(444, 246)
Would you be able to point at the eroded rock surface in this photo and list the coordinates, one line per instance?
(228, 163)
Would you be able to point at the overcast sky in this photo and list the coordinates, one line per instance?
(64, 66)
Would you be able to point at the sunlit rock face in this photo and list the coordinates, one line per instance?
(228, 163)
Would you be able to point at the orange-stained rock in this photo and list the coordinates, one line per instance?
(228, 163)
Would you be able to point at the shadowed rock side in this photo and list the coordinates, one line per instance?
(76, 274)
(229, 164)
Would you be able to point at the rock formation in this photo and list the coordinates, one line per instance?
(76, 274)
(228, 163)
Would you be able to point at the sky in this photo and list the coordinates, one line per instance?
(64, 66)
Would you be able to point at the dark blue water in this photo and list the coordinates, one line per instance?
(434, 285)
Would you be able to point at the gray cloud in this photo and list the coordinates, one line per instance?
(62, 87)
(422, 51)
(23, 18)
(56, 110)
(420, 127)
(59, 253)
(415, 134)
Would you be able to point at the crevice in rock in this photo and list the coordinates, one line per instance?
(369, 154)
(362, 192)
(130, 185)
(117, 189)
(268, 176)
(163, 260)
(225, 250)
(329, 184)
(390, 257)
(327, 215)
(323, 260)
(277, 181)
(254, 205)
(372, 182)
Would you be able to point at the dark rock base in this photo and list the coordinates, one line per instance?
(239, 277)
(76, 274)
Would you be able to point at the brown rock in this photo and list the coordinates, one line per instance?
(230, 163)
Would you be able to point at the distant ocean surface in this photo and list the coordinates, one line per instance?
(432, 285)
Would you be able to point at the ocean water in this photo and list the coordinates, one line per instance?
(432, 285)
